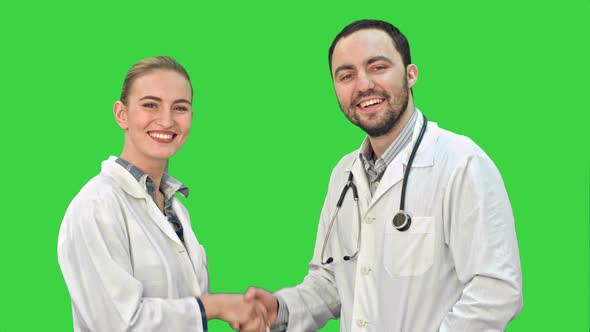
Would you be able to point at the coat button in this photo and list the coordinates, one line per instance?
(361, 322)
(365, 270)
(369, 220)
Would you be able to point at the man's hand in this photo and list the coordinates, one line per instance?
(269, 301)
(242, 315)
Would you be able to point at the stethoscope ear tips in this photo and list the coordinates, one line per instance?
(328, 261)
(401, 221)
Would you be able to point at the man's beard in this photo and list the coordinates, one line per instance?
(381, 123)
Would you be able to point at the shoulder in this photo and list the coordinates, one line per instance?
(454, 148)
(99, 199)
(100, 189)
(456, 154)
(97, 215)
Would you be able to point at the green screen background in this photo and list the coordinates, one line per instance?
(267, 131)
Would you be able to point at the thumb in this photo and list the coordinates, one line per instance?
(250, 294)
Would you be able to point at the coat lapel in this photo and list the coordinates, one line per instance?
(193, 249)
(361, 182)
(163, 223)
(394, 173)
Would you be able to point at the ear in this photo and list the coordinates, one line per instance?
(120, 112)
(412, 72)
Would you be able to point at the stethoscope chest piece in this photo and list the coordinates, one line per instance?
(401, 221)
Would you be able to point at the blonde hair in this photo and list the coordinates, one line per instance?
(148, 65)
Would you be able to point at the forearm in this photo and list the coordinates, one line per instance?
(148, 314)
(155, 314)
(313, 302)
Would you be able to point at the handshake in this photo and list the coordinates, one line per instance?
(256, 310)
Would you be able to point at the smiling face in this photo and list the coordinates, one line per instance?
(371, 82)
(157, 117)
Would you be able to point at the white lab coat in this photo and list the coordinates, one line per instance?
(124, 266)
(456, 269)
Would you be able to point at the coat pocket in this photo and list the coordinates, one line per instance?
(409, 253)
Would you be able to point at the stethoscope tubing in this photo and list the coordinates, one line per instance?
(406, 220)
(402, 200)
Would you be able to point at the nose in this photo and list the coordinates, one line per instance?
(165, 118)
(364, 82)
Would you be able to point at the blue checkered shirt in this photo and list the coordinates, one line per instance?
(168, 187)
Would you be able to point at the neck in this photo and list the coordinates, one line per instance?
(153, 167)
(381, 143)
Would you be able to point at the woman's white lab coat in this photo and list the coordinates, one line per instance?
(124, 266)
(456, 269)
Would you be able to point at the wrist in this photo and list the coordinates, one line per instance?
(210, 302)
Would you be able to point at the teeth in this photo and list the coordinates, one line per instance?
(161, 136)
(370, 102)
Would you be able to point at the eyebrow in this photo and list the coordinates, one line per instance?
(160, 99)
(379, 58)
(368, 62)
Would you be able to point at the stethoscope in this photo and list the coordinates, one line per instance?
(401, 221)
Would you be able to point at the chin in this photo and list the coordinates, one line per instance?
(162, 155)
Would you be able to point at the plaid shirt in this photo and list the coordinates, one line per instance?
(168, 187)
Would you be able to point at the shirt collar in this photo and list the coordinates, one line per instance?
(367, 154)
(366, 150)
(168, 186)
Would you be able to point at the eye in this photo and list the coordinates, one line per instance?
(150, 105)
(379, 67)
(181, 108)
(345, 77)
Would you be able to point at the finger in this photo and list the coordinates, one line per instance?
(261, 325)
(254, 325)
(234, 325)
(256, 319)
(248, 313)
(259, 316)
(264, 314)
(264, 327)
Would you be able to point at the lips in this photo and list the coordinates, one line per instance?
(162, 136)
(370, 102)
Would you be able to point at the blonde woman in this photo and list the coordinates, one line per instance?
(126, 248)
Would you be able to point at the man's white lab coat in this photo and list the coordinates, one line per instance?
(456, 269)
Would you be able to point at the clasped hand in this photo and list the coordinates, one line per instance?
(244, 313)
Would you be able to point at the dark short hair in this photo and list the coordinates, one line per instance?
(399, 40)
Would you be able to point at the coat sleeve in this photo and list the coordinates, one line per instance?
(316, 300)
(481, 236)
(95, 260)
